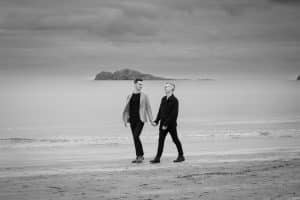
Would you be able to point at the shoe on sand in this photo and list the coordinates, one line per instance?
(134, 161)
(179, 159)
(139, 159)
(154, 161)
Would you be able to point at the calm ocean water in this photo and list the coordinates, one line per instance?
(63, 111)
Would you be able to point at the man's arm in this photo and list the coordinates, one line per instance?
(173, 113)
(125, 111)
(148, 108)
(159, 112)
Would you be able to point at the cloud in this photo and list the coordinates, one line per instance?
(158, 33)
(231, 7)
(163, 21)
(108, 20)
(147, 21)
(289, 2)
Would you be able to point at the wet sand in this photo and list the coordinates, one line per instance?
(248, 179)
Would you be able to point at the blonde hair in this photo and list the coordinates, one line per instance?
(173, 85)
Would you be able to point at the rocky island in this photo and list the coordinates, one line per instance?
(298, 78)
(127, 74)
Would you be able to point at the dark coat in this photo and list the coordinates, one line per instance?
(168, 111)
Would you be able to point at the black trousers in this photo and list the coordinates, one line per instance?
(136, 129)
(162, 136)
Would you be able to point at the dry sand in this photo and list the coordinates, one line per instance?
(269, 179)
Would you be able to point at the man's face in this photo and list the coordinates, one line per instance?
(168, 88)
(139, 85)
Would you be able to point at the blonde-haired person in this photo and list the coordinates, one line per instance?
(167, 116)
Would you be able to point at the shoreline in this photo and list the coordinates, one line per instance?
(75, 166)
(29, 161)
(252, 179)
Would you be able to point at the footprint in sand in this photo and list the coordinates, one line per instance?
(57, 189)
(143, 185)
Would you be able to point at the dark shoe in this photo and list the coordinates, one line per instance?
(134, 161)
(154, 161)
(179, 159)
(139, 159)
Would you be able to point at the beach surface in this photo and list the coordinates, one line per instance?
(224, 178)
(65, 139)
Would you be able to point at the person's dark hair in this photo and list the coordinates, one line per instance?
(137, 80)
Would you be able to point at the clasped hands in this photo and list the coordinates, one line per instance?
(155, 124)
(152, 123)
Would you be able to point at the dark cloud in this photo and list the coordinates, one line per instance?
(108, 20)
(286, 1)
(242, 7)
(231, 7)
(158, 34)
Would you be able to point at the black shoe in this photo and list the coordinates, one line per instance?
(139, 159)
(154, 161)
(179, 159)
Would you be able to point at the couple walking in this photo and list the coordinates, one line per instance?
(138, 109)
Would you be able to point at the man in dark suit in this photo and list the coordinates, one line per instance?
(167, 116)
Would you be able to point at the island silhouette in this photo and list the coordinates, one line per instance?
(127, 74)
(131, 74)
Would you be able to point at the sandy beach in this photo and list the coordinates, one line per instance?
(193, 179)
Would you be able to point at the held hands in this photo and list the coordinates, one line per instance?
(153, 123)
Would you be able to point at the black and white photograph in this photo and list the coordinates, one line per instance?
(149, 99)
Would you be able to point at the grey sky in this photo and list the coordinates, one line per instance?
(180, 38)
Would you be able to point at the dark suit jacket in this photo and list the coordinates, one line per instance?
(168, 111)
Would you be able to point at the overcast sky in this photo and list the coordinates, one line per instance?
(177, 38)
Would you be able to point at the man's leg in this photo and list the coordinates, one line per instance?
(161, 141)
(132, 127)
(136, 132)
(174, 135)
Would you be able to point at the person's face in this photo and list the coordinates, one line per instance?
(168, 88)
(139, 85)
